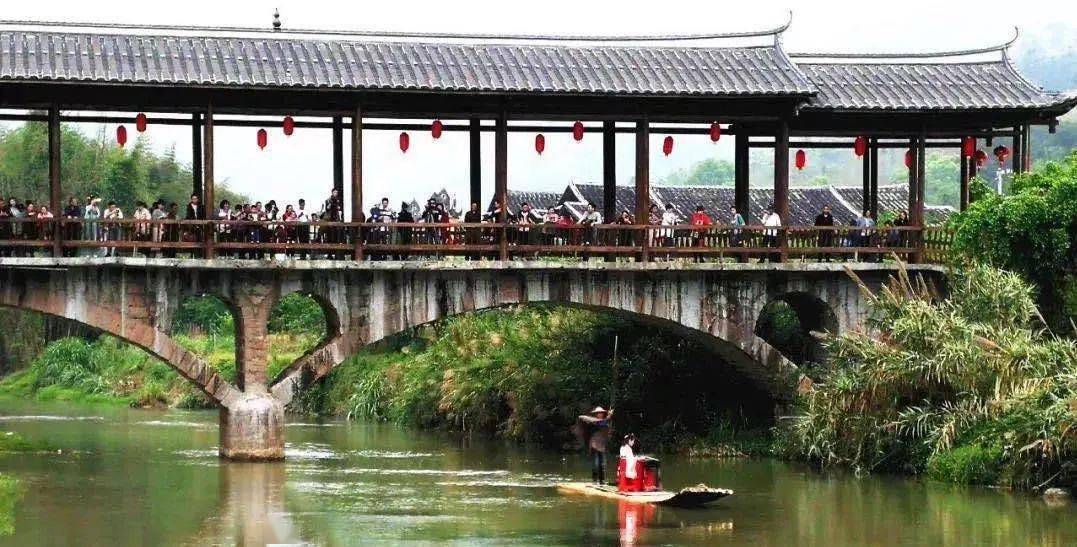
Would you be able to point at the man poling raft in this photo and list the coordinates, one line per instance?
(638, 477)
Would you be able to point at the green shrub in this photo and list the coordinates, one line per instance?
(969, 464)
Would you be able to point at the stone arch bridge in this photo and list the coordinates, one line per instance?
(136, 299)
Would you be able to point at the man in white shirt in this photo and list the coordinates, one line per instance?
(302, 230)
(771, 219)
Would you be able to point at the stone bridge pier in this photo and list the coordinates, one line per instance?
(135, 299)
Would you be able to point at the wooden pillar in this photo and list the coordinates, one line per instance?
(643, 181)
(873, 153)
(741, 171)
(501, 179)
(196, 154)
(55, 198)
(963, 180)
(865, 183)
(357, 181)
(475, 133)
(338, 155)
(207, 177)
(609, 172)
(1026, 149)
(921, 185)
(1016, 157)
(781, 171)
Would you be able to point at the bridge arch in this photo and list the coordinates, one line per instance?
(811, 313)
(135, 332)
(753, 358)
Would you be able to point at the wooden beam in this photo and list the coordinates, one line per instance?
(609, 171)
(196, 154)
(207, 177)
(741, 173)
(55, 199)
(338, 155)
(1026, 150)
(781, 171)
(501, 179)
(357, 179)
(921, 179)
(475, 129)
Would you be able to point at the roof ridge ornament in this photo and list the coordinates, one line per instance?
(775, 31)
(1003, 48)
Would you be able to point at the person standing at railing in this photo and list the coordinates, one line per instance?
(703, 222)
(158, 215)
(772, 221)
(5, 227)
(736, 221)
(867, 225)
(112, 229)
(195, 211)
(142, 229)
(624, 237)
(591, 218)
(44, 223)
(825, 222)
(526, 218)
(669, 218)
(30, 229)
(473, 236)
(405, 217)
(72, 229)
(225, 230)
(91, 227)
(302, 226)
(333, 211)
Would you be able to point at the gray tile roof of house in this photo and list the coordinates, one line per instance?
(804, 202)
(539, 201)
(923, 86)
(404, 65)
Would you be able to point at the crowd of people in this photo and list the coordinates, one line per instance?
(244, 229)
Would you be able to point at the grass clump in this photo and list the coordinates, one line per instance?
(970, 388)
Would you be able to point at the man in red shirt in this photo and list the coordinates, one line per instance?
(702, 219)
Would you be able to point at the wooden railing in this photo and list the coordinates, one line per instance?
(347, 240)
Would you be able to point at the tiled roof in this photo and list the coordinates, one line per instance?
(804, 202)
(922, 86)
(404, 65)
(539, 201)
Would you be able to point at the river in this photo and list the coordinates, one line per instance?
(137, 477)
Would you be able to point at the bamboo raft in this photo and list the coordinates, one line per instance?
(695, 496)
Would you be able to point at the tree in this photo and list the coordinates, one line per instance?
(1032, 231)
(709, 172)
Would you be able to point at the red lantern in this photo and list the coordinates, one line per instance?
(667, 145)
(908, 159)
(577, 131)
(860, 146)
(436, 129)
(289, 126)
(140, 122)
(540, 143)
(1001, 152)
(121, 136)
(801, 159)
(405, 142)
(981, 158)
(263, 138)
(716, 132)
(968, 147)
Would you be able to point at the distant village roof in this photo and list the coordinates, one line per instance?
(804, 202)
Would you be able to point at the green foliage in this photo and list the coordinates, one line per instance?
(92, 165)
(779, 325)
(1031, 231)
(10, 494)
(13, 442)
(933, 376)
(297, 313)
(205, 315)
(969, 464)
(709, 172)
(527, 373)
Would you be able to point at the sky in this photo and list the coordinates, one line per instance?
(300, 165)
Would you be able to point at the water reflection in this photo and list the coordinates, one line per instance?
(633, 518)
(252, 504)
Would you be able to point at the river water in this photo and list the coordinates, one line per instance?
(136, 477)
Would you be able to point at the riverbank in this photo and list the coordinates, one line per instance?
(106, 371)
